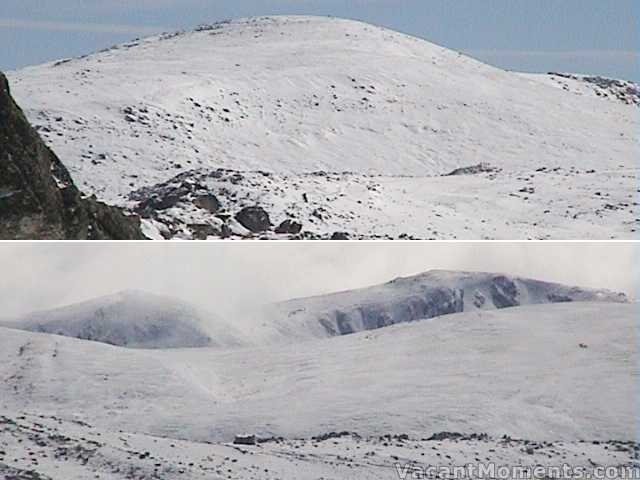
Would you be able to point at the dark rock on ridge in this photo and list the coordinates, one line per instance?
(433, 303)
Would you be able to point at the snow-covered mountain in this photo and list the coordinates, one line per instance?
(133, 319)
(430, 294)
(190, 128)
(509, 380)
(528, 372)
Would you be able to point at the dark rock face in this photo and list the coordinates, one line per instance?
(478, 299)
(245, 440)
(255, 219)
(289, 226)
(435, 302)
(38, 199)
(504, 292)
(559, 298)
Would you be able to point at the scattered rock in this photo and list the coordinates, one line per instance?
(333, 435)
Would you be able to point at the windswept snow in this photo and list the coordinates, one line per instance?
(291, 96)
(133, 319)
(137, 319)
(528, 372)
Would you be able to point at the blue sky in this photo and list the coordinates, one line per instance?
(591, 36)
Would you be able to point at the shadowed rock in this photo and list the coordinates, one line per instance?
(255, 219)
(38, 199)
(289, 226)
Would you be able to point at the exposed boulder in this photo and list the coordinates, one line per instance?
(289, 227)
(38, 199)
(340, 236)
(254, 219)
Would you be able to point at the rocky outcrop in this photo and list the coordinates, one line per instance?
(432, 303)
(472, 170)
(38, 199)
(423, 296)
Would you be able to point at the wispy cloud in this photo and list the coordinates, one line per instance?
(80, 27)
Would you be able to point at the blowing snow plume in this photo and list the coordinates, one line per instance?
(133, 319)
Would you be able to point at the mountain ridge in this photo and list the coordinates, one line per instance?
(418, 297)
(140, 319)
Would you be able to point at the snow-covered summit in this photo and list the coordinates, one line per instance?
(407, 299)
(133, 319)
(302, 94)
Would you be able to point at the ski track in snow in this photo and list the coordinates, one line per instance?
(290, 96)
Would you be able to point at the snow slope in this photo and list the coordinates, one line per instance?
(418, 297)
(133, 319)
(296, 95)
(541, 372)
